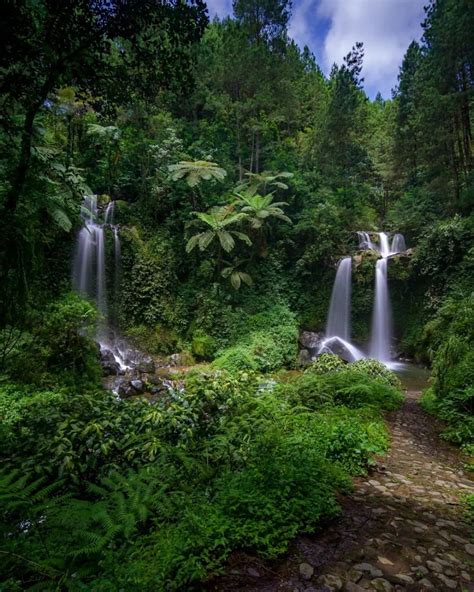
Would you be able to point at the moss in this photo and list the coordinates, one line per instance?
(203, 345)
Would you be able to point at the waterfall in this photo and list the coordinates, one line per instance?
(109, 213)
(337, 338)
(338, 322)
(381, 337)
(384, 244)
(338, 327)
(398, 244)
(365, 242)
(89, 270)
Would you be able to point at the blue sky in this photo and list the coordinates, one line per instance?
(330, 28)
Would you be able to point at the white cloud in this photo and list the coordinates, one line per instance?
(300, 24)
(386, 27)
(220, 8)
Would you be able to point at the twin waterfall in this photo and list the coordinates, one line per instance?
(89, 278)
(338, 327)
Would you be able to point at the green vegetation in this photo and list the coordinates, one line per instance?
(451, 335)
(174, 487)
(240, 174)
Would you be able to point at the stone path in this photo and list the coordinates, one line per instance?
(402, 529)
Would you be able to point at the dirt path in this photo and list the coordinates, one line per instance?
(401, 530)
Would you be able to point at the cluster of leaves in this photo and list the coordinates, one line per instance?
(331, 363)
(266, 341)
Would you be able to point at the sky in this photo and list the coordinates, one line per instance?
(331, 27)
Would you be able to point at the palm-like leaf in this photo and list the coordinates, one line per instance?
(196, 171)
(263, 179)
(109, 133)
(259, 208)
(236, 275)
(218, 220)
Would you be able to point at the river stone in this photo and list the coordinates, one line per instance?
(451, 584)
(434, 566)
(469, 548)
(420, 571)
(384, 561)
(381, 585)
(366, 567)
(351, 587)
(306, 571)
(332, 581)
(402, 579)
(253, 572)
(137, 385)
(426, 584)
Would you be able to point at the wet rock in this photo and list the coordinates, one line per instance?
(426, 584)
(108, 364)
(310, 339)
(306, 571)
(304, 357)
(137, 385)
(146, 365)
(125, 390)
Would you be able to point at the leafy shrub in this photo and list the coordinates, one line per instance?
(452, 394)
(203, 345)
(376, 370)
(306, 390)
(219, 465)
(235, 359)
(326, 363)
(59, 349)
(369, 393)
(269, 344)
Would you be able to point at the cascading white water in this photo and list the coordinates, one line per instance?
(338, 327)
(338, 322)
(337, 338)
(384, 244)
(89, 270)
(365, 242)
(398, 244)
(381, 337)
(382, 333)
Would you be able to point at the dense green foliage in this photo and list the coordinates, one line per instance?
(240, 175)
(223, 464)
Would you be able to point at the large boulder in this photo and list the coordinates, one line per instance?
(310, 340)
